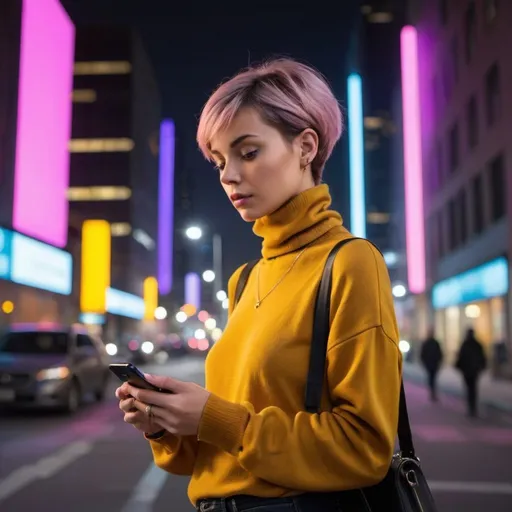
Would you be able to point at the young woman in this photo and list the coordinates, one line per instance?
(246, 439)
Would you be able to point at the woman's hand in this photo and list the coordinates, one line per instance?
(179, 413)
(133, 416)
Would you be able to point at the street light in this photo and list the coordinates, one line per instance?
(160, 313)
(209, 276)
(221, 295)
(399, 290)
(194, 232)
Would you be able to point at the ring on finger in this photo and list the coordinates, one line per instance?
(149, 410)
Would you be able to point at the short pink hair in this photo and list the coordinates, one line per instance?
(288, 95)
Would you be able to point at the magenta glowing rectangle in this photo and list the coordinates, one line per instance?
(41, 172)
(166, 206)
(413, 172)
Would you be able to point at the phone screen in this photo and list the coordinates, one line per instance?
(127, 372)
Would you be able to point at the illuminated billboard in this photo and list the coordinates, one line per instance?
(166, 206)
(30, 262)
(96, 263)
(356, 155)
(41, 170)
(124, 304)
(413, 169)
(150, 298)
(193, 290)
(483, 282)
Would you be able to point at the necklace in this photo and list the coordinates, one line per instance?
(258, 300)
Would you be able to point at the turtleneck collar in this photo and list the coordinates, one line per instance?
(298, 222)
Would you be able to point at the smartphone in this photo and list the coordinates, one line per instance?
(127, 372)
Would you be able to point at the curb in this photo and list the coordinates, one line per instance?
(412, 376)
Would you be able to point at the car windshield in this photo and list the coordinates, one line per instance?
(42, 343)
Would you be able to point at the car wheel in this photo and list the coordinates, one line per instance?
(73, 398)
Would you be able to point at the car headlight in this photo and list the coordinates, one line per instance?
(53, 373)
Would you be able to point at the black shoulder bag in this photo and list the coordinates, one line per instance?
(405, 488)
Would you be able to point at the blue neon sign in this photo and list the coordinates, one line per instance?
(26, 261)
(125, 304)
(484, 282)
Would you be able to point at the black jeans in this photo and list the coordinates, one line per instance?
(348, 501)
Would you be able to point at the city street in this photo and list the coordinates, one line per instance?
(94, 461)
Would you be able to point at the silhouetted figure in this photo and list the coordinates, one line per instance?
(431, 356)
(471, 362)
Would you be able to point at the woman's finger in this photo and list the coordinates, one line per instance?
(127, 405)
(134, 417)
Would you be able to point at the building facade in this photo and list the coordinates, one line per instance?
(115, 151)
(465, 73)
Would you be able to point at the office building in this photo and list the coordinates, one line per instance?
(464, 71)
(115, 150)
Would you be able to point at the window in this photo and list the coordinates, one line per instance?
(100, 145)
(440, 234)
(461, 213)
(472, 122)
(478, 205)
(498, 188)
(454, 48)
(438, 166)
(454, 148)
(115, 67)
(120, 229)
(84, 96)
(99, 193)
(443, 11)
(490, 10)
(453, 241)
(470, 31)
(492, 94)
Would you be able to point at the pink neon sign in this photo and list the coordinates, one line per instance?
(413, 172)
(44, 121)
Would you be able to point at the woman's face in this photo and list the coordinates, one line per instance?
(259, 169)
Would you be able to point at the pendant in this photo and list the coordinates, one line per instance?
(257, 305)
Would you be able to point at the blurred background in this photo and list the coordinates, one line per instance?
(116, 240)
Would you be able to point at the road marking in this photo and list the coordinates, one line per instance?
(147, 490)
(44, 468)
(472, 487)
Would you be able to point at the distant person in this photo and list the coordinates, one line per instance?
(471, 362)
(246, 438)
(431, 358)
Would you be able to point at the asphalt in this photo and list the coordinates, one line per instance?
(93, 461)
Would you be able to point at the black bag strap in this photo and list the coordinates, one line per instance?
(242, 280)
(318, 356)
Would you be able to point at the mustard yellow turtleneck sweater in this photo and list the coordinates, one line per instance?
(254, 436)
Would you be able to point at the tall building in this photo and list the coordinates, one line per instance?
(375, 59)
(36, 270)
(464, 73)
(115, 149)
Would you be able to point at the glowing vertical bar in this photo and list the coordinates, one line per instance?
(356, 152)
(166, 206)
(41, 169)
(193, 290)
(95, 272)
(413, 172)
(150, 298)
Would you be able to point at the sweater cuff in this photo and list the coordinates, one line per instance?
(223, 424)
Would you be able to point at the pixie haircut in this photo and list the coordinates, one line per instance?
(288, 95)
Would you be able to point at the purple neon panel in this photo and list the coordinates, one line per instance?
(166, 206)
(41, 172)
(193, 290)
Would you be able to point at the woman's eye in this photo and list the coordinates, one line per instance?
(250, 155)
(219, 167)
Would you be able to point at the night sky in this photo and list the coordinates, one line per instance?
(194, 48)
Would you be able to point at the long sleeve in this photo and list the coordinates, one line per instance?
(350, 445)
(175, 454)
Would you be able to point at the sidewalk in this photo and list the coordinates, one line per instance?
(493, 393)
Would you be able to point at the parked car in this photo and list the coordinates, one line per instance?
(46, 365)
